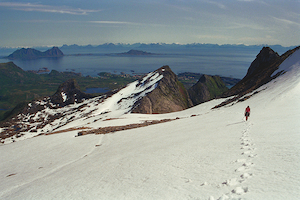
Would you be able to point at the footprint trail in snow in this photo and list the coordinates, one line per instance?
(244, 170)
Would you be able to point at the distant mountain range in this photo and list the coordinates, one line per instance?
(155, 48)
(163, 47)
(30, 53)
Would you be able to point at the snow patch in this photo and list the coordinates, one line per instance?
(64, 96)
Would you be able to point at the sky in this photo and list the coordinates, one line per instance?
(57, 22)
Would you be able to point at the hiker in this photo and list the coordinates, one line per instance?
(247, 112)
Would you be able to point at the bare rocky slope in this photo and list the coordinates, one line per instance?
(207, 88)
(169, 95)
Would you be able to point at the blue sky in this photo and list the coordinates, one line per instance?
(83, 22)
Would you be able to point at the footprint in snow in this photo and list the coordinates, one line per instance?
(240, 190)
(248, 148)
(248, 164)
(231, 182)
(246, 175)
(203, 184)
(246, 152)
(246, 143)
(242, 168)
(252, 155)
(240, 160)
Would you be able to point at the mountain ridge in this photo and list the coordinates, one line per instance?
(31, 53)
(259, 73)
(157, 92)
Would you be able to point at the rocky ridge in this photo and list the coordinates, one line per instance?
(168, 96)
(44, 111)
(259, 73)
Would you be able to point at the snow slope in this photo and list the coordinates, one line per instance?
(89, 113)
(205, 154)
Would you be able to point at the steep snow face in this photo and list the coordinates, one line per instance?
(289, 64)
(123, 101)
(86, 113)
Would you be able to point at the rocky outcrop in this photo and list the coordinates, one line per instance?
(168, 96)
(30, 53)
(259, 73)
(207, 88)
(69, 93)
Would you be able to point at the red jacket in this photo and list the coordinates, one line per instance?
(248, 109)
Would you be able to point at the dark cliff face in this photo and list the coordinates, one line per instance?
(259, 73)
(207, 88)
(265, 57)
(169, 95)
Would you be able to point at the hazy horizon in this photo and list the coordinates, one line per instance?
(141, 43)
(53, 23)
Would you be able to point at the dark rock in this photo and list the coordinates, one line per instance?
(207, 88)
(69, 93)
(169, 95)
(262, 61)
(259, 73)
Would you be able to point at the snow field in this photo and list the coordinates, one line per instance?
(205, 154)
(157, 166)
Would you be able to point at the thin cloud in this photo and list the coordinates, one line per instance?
(212, 37)
(29, 7)
(125, 23)
(218, 4)
(259, 40)
(236, 25)
(286, 21)
(113, 22)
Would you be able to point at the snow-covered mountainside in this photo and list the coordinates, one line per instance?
(203, 153)
(51, 116)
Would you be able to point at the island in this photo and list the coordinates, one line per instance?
(29, 53)
(133, 52)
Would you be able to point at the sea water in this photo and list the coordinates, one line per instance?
(223, 63)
